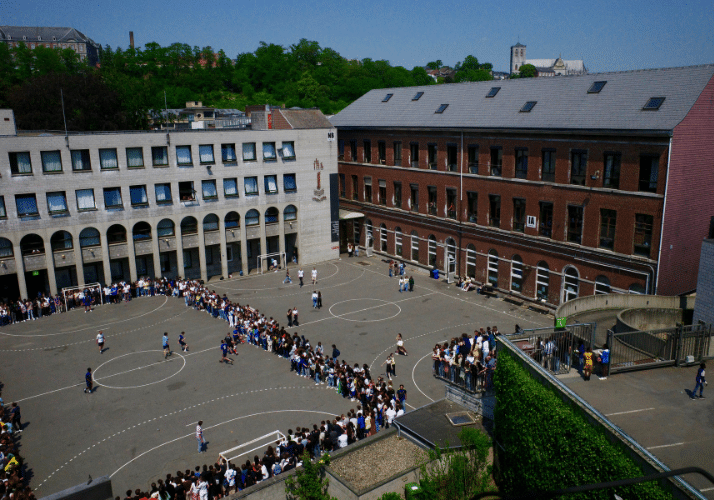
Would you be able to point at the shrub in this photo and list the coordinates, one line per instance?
(309, 482)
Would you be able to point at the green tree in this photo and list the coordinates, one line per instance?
(435, 64)
(309, 483)
(527, 71)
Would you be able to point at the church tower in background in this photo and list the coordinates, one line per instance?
(518, 57)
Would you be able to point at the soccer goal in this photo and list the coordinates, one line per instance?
(279, 257)
(258, 443)
(67, 291)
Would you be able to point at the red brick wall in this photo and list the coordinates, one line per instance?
(690, 197)
(279, 121)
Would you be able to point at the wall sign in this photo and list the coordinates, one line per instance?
(319, 193)
(531, 221)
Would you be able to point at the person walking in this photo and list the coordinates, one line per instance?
(15, 417)
(349, 249)
(301, 275)
(100, 341)
(700, 382)
(295, 317)
(290, 316)
(165, 343)
(224, 353)
(88, 381)
(391, 365)
(314, 299)
(182, 342)
(319, 299)
(199, 436)
(411, 283)
(314, 276)
(287, 276)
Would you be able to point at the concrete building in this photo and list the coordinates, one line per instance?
(545, 67)
(52, 38)
(548, 189)
(102, 207)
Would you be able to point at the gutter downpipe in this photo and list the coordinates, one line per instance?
(664, 211)
(461, 204)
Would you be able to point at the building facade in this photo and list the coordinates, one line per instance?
(104, 207)
(52, 38)
(548, 189)
(545, 67)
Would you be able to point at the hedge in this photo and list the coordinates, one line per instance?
(547, 444)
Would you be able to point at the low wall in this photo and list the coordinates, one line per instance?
(476, 402)
(96, 489)
(633, 320)
(622, 301)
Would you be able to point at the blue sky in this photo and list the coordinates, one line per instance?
(607, 35)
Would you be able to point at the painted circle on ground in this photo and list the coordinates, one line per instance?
(156, 368)
(370, 310)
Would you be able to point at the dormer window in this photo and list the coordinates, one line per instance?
(417, 96)
(387, 97)
(441, 109)
(653, 104)
(596, 87)
(528, 106)
(493, 92)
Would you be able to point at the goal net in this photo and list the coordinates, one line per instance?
(270, 259)
(79, 291)
(256, 444)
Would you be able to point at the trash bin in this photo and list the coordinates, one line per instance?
(435, 274)
(412, 491)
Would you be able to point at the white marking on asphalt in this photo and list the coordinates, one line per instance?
(664, 446)
(627, 412)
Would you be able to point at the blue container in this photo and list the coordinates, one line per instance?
(435, 274)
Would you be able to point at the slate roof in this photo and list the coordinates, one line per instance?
(305, 118)
(563, 103)
(44, 34)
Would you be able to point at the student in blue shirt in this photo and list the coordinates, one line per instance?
(88, 380)
(165, 343)
(182, 342)
(224, 352)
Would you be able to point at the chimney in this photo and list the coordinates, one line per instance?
(131, 39)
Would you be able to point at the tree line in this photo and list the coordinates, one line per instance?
(129, 82)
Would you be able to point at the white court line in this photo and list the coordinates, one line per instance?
(414, 381)
(626, 412)
(217, 285)
(703, 490)
(664, 446)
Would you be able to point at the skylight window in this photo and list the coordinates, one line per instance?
(596, 87)
(387, 97)
(653, 104)
(442, 108)
(417, 96)
(527, 107)
(493, 92)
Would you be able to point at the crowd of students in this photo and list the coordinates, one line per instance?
(468, 360)
(12, 480)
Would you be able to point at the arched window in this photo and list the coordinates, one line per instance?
(517, 274)
(471, 260)
(290, 213)
(61, 240)
(142, 231)
(493, 267)
(272, 215)
(542, 281)
(232, 220)
(166, 228)
(210, 223)
(602, 285)
(116, 234)
(252, 217)
(32, 243)
(432, 250)
(571, 284)
(89, 237)
(189, 225)
(415, 246)
(6, 248)
(398, 241)
(383, 237)
(636, 288)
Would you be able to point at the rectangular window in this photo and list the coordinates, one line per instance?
(432, 154)
(398, 194)
(183, 156)
(186, 191)
(496, 160)
(249, 151)
(57, 202)
(649, 171)
(343, 185)
(608, 221)
(494, 214)
(187, 259)
(251, 186)
(289, 183)
(382, 152)
(367, 152)
(269, 151)
(451, 203)
(271, 184)
(398, 154)
(209, 256)
(473, 159)
(108, 159)
(452, 158)
(228, 153)
(20, 163)
(51, 161)
(26, 205)
(135, 158)
(519, 215)
(643, 234)
(611, 171)
(355, 187)
(80, 160)
(230, 188)
(138, 195)
(3, 212)
(163, 193)
(205, 153)
(472, 206)
(521, 163)
(288, 150)
(414, 154)
(382, 193)
(431, 194)
(575, 224)
(112, 198)
(368, 189)
(208, 188)
(85, 199)
(341, 150)
(548, 169)
(353, 150)
(546, 219)
(414, 197)
(165, 260)
(159, 156)
(578, 167)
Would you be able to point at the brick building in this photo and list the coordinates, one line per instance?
(547, 188)
(52, 38)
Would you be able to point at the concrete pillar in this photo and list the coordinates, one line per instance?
(51, 278)
(105, 257)
(202, 250)
(180, 272)
(263, 241)
(243, 246)
(224, 250)
(155, 244)
(78, 260)
(281, 235)
(132, 256)
(20, 266)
